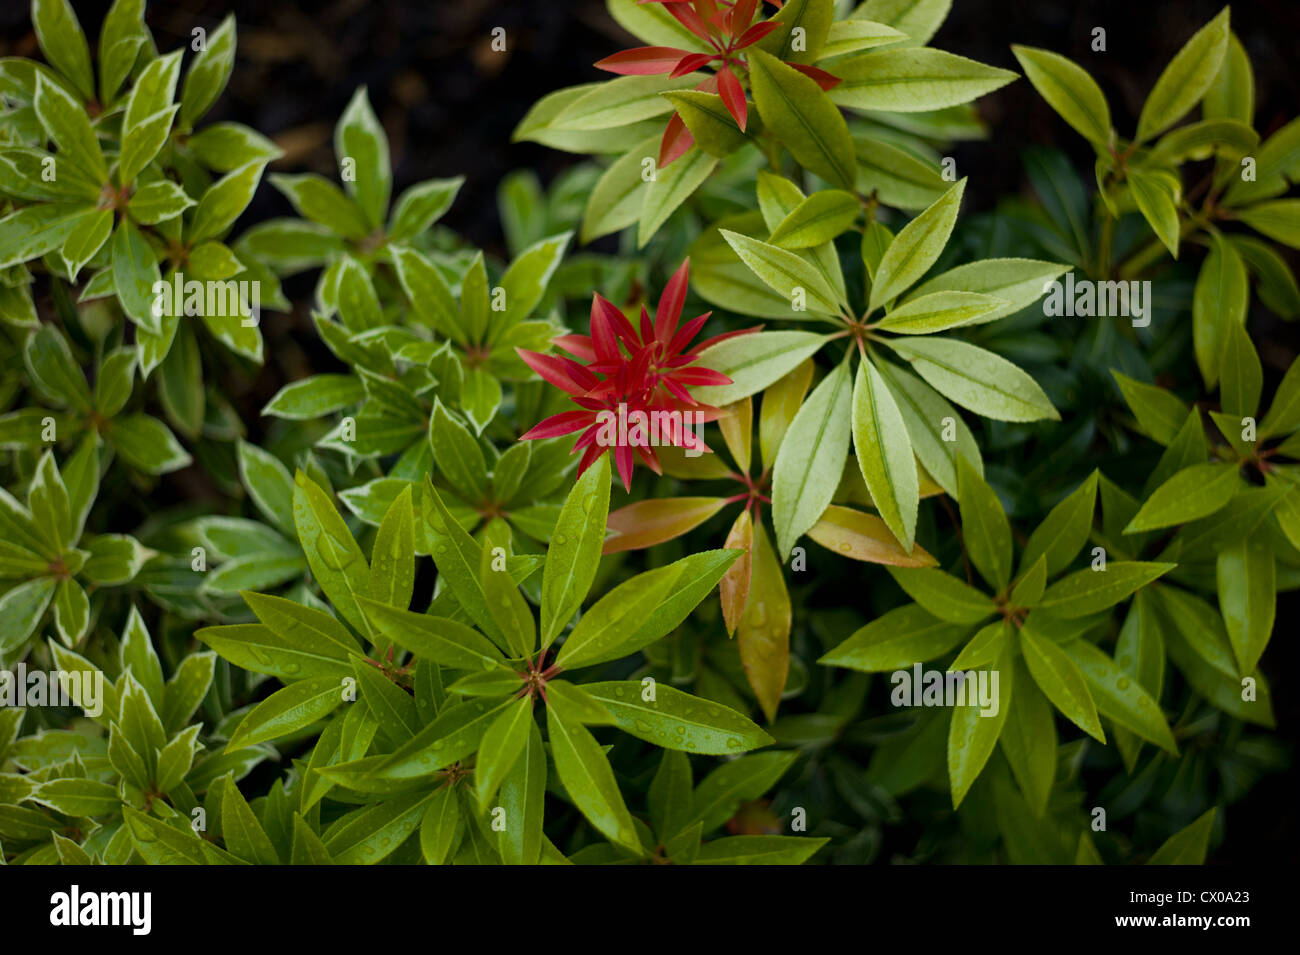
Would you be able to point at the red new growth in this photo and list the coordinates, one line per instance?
(726, 28)
(648, 370)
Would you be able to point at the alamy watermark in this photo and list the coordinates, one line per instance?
(1085, 298)
(74, 907)
(83, 688)
(646, 429)
(212, 298)
(918, 687)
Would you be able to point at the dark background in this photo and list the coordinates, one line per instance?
(449, 104)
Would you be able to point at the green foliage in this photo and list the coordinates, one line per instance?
(374, 624)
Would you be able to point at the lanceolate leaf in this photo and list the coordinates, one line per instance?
(884, 454)
(976, 379)
(677, 720)
(1186, 79)
(1061, 681)
(812, 456)
(575, 549)
(915, 248)
(974, 730)
(1069, 90)
(796, 110)
(589, 780)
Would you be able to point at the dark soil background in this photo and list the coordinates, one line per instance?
(449, 104)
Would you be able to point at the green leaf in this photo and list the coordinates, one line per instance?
(711, 126)
(527, 277)
(986, 531)
(288, 710)
(1283, 415)
(1120, 699)
(1061, 681)
(787, 274)
(36, 230)
(816, 220)
(367, 836)
(332, 552)
(318, 199)
(159, 202)
(943, 595)
(78, 797)
(506, 604)
(1160, 413)
(314, 397)
(1186, 79)
(1015, 283)
(392, 559)
(759, 850)
(66, 124)
(226, 146)
(306, 627)
(589, 780)
(443, 641)
(135, 273)
(615, 202)
(884, 453)
(974, 732)
(976, 379)
(927, 416)
(796, 110)
(1187, 846)
(753, 362)
(1241, 376)
(1246, 576)
(1219, 302)
(457, 454)
(720, 793)
(671, 187)
(421, 205)
(64, 44)
(80, 247)
(502, 745)
(811, 459)
(1192, 493)
(574, 552)
(913, 80)
(669, 797)
(1157, 194)
(359, 137)
(146, 444)
(619, 102)
(47, 499)
(1232, 94)
(915, 248)
(1063, 532)
(441, 827)
(209, 72)
(603, 631)
(938, 312)
(1089, 591)
(1277, 220)
(307, 847)
(1070, 90)
(895, 640)
(1191, 141)
(1028, 740)
(240, 830)
(269, 485)
(223, 202)
(676, 720)
(523, 794)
